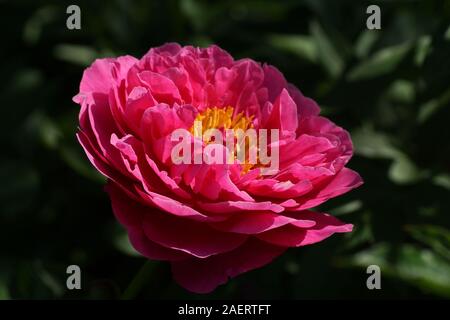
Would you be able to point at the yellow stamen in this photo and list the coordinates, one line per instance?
(222, 118)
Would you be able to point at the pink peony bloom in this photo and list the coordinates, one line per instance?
(216, 221)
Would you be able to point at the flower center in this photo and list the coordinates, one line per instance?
(223, 119)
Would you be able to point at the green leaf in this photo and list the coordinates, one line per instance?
(423, 47)
(365, 41)
(76, 54)
(447, 34)
(50, 281)
(4, 292)
(302, 46)
(428, 109)
(401, 91)
(371, 144)
(438, 238)
(362, 233)
(404, 171)
(419, 267)
(34, 26)
(196, 12)
(25, 79)
(47, 129)
(327, 53)
(347, 208)
(381, 63)
(442, 180)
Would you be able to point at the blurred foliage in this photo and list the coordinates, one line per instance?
(389, 87)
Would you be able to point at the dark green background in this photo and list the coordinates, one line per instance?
(389, 88)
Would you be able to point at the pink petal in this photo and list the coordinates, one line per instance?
(283, 115)
(254, 223)
(307, 107)
(138, 101)
(293, 235)
(237, 206)
(278, 189)
(204, 275)
(102, 74)
(274, 81)
(161, 87)
(195, 238)
(343, 182)
(150, 249)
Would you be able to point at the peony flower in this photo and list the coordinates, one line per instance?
(213, 221)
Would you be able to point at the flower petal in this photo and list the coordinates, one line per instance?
(204, 275)
(293, 235)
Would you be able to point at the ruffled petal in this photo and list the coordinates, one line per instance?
(293, 235)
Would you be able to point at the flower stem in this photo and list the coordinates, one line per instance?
(139, 280)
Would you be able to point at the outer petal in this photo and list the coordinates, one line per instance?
(152, 250)
(204, 275)
(274, 81)
(307, 107)
(296, 236)
(341, 183)
(195, 238)
(103, 74)
(174, 233)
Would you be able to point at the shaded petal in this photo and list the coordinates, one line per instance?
(254, 223)
(237, 206)
(274, 81)
(195, 238)
(307, 107)
(150, 249)
(204, 275)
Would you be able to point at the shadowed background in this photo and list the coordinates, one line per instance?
(389, 88)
